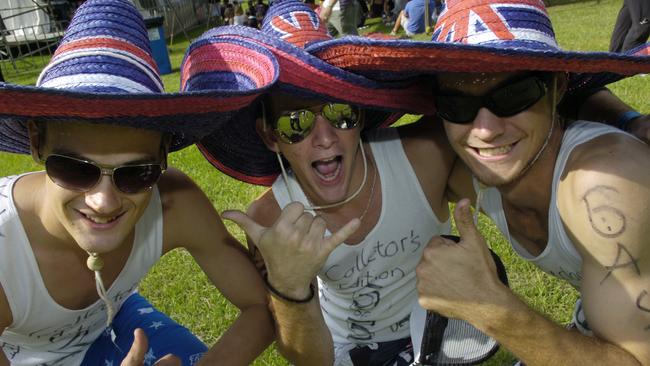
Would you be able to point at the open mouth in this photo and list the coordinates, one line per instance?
(328, 169)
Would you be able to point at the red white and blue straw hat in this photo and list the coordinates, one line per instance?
(103, 72)
(235, 148)
(482, 36)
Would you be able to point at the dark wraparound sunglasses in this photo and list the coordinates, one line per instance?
(83, 175)
(505, 101)
(293, 126)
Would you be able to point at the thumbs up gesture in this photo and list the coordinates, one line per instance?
(138, 350)
(295, 248)
(453, 278)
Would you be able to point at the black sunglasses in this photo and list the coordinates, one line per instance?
(83, 175)
(505, 101)
(293, 126)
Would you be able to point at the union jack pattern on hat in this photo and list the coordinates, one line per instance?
(525, 22)
(295, 23)
(104, 72)
(480, 36)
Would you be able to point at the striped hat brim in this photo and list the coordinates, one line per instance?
(187, 116)
(397, 59)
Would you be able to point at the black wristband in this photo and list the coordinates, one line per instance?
(284, 297)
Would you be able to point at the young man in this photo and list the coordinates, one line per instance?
(366, 286)
(382, 206)
(571, 198)
(76, 239)
(573, 201)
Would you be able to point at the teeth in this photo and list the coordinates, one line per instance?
(100, 220)
(495, 151)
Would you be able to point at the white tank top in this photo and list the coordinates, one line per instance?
(367, 290)
(559, 258)
(43, 332)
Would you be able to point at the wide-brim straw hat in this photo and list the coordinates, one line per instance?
(482, 36)
(395, 75)
(104, 72)
(235, 148)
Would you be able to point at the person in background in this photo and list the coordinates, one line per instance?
(411, 19)
(632, 27)
(239, 18)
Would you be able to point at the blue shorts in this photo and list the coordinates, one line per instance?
(165, 336)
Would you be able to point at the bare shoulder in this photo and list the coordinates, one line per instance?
(187, 211)
(614, 153)
(265, 209)
(604, 202)
(605, 191)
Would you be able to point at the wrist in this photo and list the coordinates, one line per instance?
(626, 118)
(295, 294)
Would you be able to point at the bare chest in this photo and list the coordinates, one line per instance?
(529, 228)
(68, 280)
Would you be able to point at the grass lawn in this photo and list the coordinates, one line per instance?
(178, 287)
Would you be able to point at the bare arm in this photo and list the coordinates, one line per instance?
(326, 10)
(460, 281)
(610, 186)
(292, 248)
(605, 107)
(192, 222)
(302, 335)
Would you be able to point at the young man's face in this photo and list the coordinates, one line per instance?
(327, 159)
(497, 149)
(101, 218)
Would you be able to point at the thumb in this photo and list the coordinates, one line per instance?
(135, 357)
(465, 220)
(252, 228)
(340, 236)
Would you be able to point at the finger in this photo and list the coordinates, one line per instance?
(292, 212)
(303, 223)
(135, 357)
(317, 230)
(169, 360)
(342, 235)
(252, 228)
(465, 221)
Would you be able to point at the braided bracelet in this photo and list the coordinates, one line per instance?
(284, 297)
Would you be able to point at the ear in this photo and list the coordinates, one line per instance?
(265, 132)
(562, 84)
(35, 140)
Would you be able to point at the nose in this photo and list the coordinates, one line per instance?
(323, 134)
(487, 126)
(103, 198)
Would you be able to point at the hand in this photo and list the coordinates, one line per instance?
(640, 128)
(294, 248)
(325, 13)
(139, 348)
(453, 278)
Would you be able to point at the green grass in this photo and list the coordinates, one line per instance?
(178, 287)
